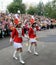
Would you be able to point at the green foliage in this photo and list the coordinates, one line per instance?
(50, 9)
(31, 10)
(36, 10)
(18, 1)
(15, 6)
(40, 8)
(47, 10)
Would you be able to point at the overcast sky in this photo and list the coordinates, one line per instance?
(4, 3)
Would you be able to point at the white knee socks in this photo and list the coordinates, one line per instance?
(29, 47)
(20, 58)
(35, 47)
(14, 54)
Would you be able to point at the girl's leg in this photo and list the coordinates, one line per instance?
(14, 54)
(35, 48)
(29, 48)
(20, 56)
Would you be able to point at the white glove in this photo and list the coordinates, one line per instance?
(11, 41)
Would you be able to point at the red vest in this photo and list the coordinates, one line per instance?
(31, 33)
(15, 36)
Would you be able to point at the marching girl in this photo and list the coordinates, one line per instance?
(32, 38)
(16, 37)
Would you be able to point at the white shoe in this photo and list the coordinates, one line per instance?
(29, 51)
(35, 53)
(15, 58)
(22, 62)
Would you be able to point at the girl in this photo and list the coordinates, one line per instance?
(32, 38)
(16, 36)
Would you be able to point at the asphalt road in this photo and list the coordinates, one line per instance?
(4, 42)
(46, 49)
(44, 36)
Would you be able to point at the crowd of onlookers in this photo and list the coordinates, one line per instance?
(7, 22)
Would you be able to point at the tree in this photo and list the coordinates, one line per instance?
(54, 9)
(40, 8)
(50, 9)
(31, 10)
(15, 6)
(18, 1)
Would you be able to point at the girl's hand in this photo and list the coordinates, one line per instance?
(11, 41)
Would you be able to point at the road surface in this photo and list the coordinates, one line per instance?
(46, 49)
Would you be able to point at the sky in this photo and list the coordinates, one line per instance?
(4, 3)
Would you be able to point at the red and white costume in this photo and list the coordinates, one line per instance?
(16, 19)
(32, 34)
(32, 20)
(16, 35)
